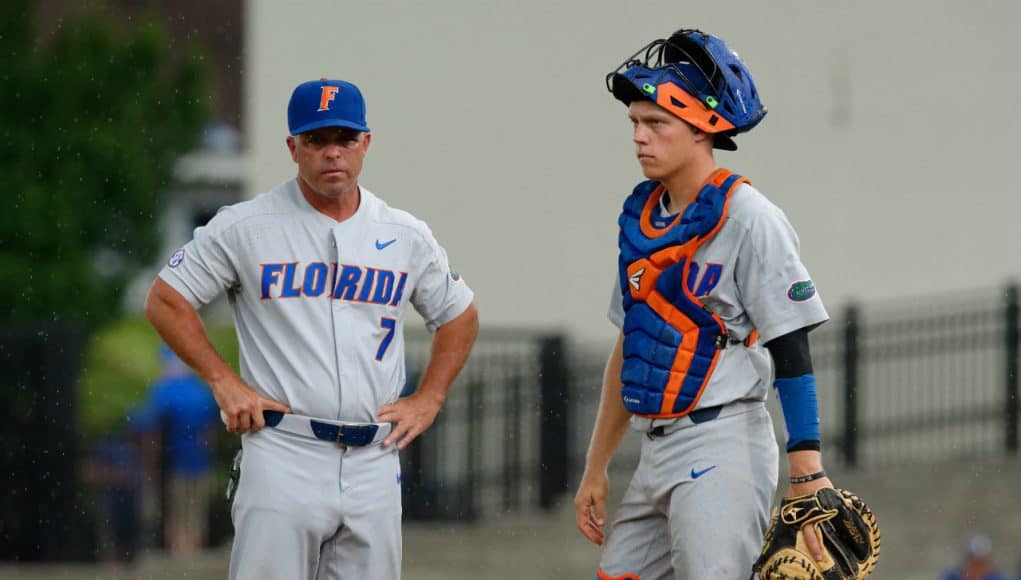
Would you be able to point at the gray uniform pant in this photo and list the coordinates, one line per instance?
(307, 509)
(698, 504)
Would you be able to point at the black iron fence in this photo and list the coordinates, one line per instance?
(900, 382)
(499, 443)
(38, 443)
(913, 381)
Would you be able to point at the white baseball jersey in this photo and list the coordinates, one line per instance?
(318, 304)
(751, 275)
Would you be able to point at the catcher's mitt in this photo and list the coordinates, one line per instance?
(847, 531)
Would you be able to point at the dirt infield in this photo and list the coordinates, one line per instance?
(925, 514)
(534, 546)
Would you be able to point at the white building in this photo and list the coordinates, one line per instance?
(890, 139)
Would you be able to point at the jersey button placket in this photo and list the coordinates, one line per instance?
(336, 314)
(336, 257)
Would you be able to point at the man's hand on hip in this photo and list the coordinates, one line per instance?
(241, 407)
(411, 415)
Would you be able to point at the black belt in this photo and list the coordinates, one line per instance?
(697, 416)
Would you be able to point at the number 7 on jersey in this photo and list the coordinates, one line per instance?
(390, 325)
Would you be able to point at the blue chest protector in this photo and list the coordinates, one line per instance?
(671, 339)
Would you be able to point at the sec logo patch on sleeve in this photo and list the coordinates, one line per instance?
(801, 291)
(176, 259)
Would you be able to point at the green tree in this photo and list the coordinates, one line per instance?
(121, 364)
(91, 121)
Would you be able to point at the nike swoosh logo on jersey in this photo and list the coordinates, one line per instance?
(698, 474)
(383, 245)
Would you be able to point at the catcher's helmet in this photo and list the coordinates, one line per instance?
(696, 77)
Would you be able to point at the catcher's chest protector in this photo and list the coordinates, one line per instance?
(671, 339)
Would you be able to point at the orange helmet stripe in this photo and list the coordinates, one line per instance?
(674, 99)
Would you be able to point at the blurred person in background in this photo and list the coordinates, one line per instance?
(978, 562)
(181, 416)
(115, 469)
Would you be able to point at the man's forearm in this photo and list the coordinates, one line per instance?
(804, 462)
(450, 349)
(612, 418)
(181, 328)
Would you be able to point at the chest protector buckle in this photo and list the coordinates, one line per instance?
(672, 340)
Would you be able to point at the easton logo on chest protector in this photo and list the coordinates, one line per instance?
(672, 340)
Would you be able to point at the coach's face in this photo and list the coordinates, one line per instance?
(664, 143)
(329, 159)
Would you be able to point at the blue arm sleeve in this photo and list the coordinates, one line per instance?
(800, 411)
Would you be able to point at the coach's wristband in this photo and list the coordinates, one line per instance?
(809, 477)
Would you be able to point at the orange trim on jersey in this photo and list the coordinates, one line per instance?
(674, 99)
(625, 576)
(752, 337)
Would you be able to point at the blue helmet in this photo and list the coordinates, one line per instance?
(696, 77)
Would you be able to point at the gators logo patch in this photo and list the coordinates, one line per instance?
(801, 291)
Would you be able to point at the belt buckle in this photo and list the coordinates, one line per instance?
(340, 436)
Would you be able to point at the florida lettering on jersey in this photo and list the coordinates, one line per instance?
(338, 281)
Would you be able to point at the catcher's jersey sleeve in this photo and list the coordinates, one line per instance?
(615, 311)
(776, 290)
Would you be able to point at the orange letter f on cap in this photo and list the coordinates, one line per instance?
(329, 93)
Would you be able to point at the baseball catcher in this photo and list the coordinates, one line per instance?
(844, 526)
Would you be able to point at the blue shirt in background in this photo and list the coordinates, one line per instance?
(959, 575)
(185, 406)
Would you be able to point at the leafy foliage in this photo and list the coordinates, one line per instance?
(91, 121)
(121, 361)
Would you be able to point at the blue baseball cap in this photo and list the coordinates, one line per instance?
(326, 103)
